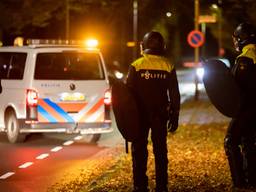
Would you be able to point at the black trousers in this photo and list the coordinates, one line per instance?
(240, 149)
(140, 155)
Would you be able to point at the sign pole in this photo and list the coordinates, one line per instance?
(196, 18)
(220, 30)
(135, 27)
(203, 29)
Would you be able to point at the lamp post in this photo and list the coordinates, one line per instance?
(135, 27)
(219, 16)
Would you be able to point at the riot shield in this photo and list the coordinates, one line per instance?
(125, 111)
(221, 87)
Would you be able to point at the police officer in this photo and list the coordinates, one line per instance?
(239, 142)
(153, 81)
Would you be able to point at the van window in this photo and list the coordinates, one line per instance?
(68, 65)
(12, 65)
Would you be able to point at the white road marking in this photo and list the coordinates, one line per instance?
(68, 143)
(42, 156)
(78, 138)
(55, 149)
(25, 165)
(6, 175)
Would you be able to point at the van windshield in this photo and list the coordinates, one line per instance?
(68, 65)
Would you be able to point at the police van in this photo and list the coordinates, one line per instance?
(50, 88)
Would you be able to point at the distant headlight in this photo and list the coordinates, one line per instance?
(119, 75)
(200, 72)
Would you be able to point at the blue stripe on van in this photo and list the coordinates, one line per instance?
(46, 115)
(59, 110)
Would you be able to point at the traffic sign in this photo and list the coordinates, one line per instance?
(195, 38)
(207, 19)
(130, 44)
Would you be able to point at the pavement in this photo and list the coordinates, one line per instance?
(200, 111)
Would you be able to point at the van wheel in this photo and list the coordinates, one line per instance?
(13, 129)
(92, 138)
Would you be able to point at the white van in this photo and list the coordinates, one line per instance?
(53, 88)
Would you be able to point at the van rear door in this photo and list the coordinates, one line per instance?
(71, 87)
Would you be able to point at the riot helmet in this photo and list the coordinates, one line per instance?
(153, 43)
(244, 34)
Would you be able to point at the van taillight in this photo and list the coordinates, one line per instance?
(32, 98)
(107, 97)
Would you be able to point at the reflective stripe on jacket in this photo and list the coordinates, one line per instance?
(249, 51)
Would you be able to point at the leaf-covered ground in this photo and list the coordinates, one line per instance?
(197, 161)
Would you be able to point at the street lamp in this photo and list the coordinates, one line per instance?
(168, 14)
(215, 6)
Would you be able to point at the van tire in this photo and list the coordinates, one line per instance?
(13, 129)
(92, 138)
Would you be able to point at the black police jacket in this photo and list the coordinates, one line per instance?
(153, 81)
(244, 72)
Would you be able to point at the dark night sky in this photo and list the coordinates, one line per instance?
(114, 27)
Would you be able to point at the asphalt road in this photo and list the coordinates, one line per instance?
(39, 162)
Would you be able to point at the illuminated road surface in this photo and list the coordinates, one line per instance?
(186, 79)
(36, 164)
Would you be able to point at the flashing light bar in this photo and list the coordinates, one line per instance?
(18, 41)
(89, 43)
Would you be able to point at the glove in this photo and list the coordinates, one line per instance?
(172, 123)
